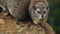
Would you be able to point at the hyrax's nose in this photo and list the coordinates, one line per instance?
(42, 16)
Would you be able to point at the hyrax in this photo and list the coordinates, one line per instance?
(38, 10)
(17, 8)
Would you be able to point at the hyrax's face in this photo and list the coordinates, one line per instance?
(40, 11)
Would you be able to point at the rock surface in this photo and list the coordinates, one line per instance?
(8, 26)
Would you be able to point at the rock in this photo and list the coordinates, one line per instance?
(8, 26)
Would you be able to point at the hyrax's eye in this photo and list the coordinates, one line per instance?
(34, 7)
(38, 12)
(44, 12)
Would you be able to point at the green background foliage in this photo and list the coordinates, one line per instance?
(54, 15)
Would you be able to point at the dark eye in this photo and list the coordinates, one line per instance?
(44, 12)
(34, 7)
(39, 12)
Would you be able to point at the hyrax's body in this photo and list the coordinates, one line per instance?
(38, 10)
(17, 8)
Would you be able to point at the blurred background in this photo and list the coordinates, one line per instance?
(54, 15)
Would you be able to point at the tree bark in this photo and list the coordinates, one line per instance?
(8, 26)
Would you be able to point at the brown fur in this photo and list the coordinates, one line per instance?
(17, 8)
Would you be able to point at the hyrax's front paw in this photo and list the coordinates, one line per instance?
(3, 10)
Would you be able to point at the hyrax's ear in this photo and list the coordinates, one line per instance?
(47, 7)
(34, 7)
